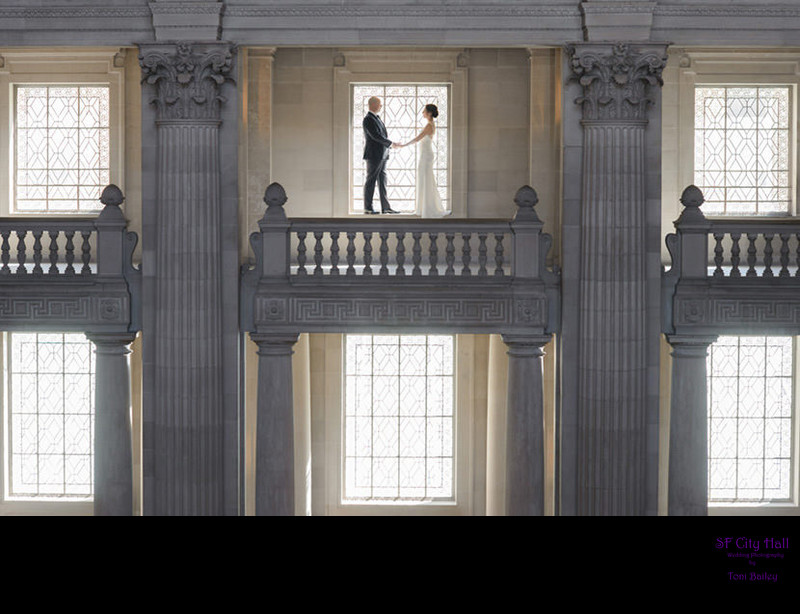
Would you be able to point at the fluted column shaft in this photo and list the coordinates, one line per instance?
(688, 426)
(113, 461)
(612, 320)
(617, 80)
(189, 321)
(525, 426)
(188, 412)
(275, 426)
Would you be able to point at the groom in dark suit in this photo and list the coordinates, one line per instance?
(376, 153)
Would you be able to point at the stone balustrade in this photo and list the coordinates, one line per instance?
(728, 277)
(406, 276)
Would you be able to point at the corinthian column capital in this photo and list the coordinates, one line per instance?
(186, 79)
(617, 78)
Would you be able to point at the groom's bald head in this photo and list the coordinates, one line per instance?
(374, 104)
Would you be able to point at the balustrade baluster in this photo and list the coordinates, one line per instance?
(301, 254)
(768, 255)
(367, 253)
(735, 272)
(53, 252)
(401, 254)
(450, 254)
(797, 255)
(21, 270)
(351, 253)
(751, 255)
(466, 253)
(318, 253)
(498, 255)
(718, 255)
(86, 252)
(384, 249)
(334, 252)
(37, 252)
(481, 254)
(784, 255)
(5, 258)
(416, 258)
(433, 254)
(70, 253)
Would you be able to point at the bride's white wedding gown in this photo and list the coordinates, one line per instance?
(429, 203)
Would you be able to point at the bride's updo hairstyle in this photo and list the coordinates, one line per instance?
(431, 108)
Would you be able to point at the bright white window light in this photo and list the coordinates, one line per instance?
(61, 148)
(399, 419)
(50, 421)
(750, 419)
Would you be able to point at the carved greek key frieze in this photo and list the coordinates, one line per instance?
(187, 79)
(70, 310)
(435, 311)
(767, 311)
(616, 84)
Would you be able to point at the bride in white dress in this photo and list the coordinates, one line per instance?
(429, 202)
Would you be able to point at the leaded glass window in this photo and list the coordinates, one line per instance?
(399, 419)
(61, 148)
(750, 419)
(742, 149)
(50, 420)
(402, 114)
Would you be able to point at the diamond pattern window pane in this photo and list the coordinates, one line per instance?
(51, 415)
(402, 114)
(742, 159)
(750, 419)
(399, 418)
(62, 152)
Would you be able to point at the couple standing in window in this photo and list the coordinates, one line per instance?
(376, 153)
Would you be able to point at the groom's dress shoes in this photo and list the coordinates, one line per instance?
(370, 212)
(387, 210)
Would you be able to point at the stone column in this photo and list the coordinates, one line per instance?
(688, 426)
(275, 425)
(613, 325)
(113, 464)
(525, 426)
(187, 402)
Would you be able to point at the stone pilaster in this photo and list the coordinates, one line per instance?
(617, 81)
(113, 464)
(525, 426)
(688, 426)
(275, 426)
(187, 402)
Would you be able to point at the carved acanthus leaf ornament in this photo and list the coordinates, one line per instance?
(188, 79)
(616, 85)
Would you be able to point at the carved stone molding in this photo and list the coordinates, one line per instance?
(187, 78)
(617, 78)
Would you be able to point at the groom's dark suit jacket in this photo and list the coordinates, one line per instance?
(376, 145)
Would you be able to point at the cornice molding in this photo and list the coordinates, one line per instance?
(714, 10)
(322, 11)
(69, 12)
